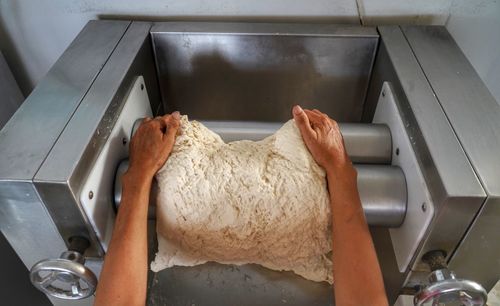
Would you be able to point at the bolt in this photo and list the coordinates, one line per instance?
(91, 195)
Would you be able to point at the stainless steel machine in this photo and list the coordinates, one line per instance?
(421, 127)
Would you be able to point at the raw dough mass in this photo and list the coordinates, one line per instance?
(263, 202)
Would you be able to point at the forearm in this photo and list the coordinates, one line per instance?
(358, 279)
(123, 278)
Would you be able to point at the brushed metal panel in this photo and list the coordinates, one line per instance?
(454, 187)
(257, 72)
(68, 164)
(475, 117)
(28, 137)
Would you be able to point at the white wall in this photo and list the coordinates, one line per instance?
(33, 34)
(475, 26)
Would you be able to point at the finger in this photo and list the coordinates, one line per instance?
(314, 118)
(172, 122)
(302, 121)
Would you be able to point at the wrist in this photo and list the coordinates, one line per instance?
(344, 171)
(138, 177)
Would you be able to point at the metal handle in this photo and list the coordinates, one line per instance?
(65, 277)
(444, 288)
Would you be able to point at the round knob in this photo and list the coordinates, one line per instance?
(65, 277)
(445, 289)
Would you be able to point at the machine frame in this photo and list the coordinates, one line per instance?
(450, 117)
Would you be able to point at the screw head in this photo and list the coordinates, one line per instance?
(383, 93)
(424, 207)
(142, 86)
(124, 140)
(91, 194)
(397, 151)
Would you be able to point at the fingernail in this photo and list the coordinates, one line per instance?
(176, 115)
(297, 110)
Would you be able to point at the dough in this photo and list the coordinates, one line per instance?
(263, 202)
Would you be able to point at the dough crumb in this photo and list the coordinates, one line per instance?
(263, 202)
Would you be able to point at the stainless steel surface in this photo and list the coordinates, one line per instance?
(46, 111)
(240, 72)
(27, 138)
(257, 72)
(61, 176)
(214, 284)
(63, 277)
(117, 186)
(454, 187)
(446, 289)
(117, 190)
(136, 125)
(9, 91)
(365, 143)
(382, 190)
(475, 117)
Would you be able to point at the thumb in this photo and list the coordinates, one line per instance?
(302, 122)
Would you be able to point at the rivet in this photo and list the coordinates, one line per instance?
(424, 207)
(91, 195)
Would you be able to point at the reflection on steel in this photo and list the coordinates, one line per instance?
(382, 191)
(365, 143)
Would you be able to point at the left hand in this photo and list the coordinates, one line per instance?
(152, 143)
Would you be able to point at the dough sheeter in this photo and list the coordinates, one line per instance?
(419, 124)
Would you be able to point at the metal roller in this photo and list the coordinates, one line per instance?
(365, 143)
(382, 190)
(383, 194)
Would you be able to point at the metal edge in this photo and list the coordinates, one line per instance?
(255, 28)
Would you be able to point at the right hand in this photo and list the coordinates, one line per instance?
(323, 139)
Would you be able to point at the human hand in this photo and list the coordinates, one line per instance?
(152, 143)
(323, 139)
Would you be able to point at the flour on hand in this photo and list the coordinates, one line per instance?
(263, 202)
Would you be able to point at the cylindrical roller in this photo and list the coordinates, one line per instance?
(383, 194)
(117, 189)
(365, 143)
(382, 191)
